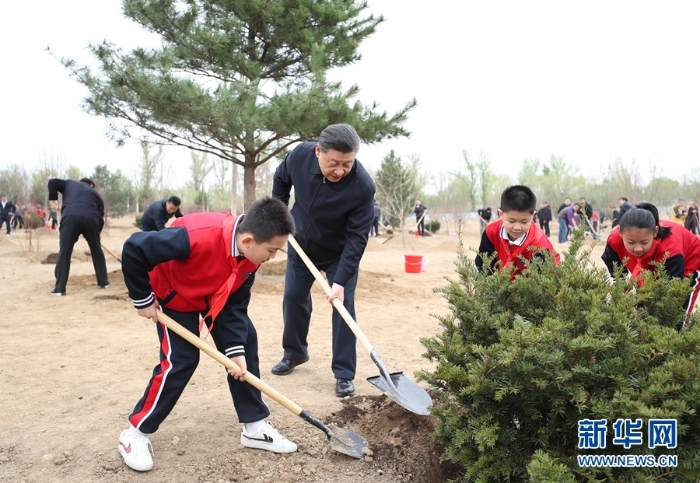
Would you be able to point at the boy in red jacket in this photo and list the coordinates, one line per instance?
(514, 236)
(204, 265)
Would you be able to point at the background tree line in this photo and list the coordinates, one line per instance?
(215, 184)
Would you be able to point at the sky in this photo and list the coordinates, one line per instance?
(590, 81)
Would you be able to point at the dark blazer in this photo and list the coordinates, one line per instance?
(7, 209)
(156, 216)
(545, 214)
(79, 199)
(332, 219)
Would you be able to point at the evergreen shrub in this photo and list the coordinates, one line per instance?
(519, 363)
(433, 226)
(137, 222)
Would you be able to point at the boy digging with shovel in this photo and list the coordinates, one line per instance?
(204, 264)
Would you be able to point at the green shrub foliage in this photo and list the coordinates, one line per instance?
(519, 363)
(433, 226)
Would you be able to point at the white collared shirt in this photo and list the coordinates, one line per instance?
(519, 242)
(234, 245)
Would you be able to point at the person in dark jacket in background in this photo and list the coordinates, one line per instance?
(375, 220)
(7, 211)
(333, 214)
(17, 220)
(203, 266)
(544, 215)
(420, 210)
(625, 206)
(485, 215)
(82, 213)
(159, 212)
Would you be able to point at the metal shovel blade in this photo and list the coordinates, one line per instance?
(341, 440)
(346, 442)
(404, 391)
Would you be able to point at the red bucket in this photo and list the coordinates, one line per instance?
(413, 263)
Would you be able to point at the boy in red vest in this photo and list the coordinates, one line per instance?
(515, 235)
(203, 265)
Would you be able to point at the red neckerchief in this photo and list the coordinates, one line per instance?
(219, 299)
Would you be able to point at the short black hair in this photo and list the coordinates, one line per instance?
(340, 137)
(623, 198)
(645, 217)
(88, 181)
(174, 200)
(518, 198)
(267, 218)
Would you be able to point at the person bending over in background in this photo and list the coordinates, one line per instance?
(82, 213)
(159, 212)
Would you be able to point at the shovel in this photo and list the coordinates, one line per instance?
(341, 440)
(111, 253)
(395, 385)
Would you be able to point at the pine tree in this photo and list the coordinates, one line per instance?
(240, 79)
(396, 189)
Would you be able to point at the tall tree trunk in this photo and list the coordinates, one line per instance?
(248, 180)
(234, 189)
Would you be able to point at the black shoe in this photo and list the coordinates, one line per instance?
(104, 286)
(57, 293)
(285, 366)
(344, 387)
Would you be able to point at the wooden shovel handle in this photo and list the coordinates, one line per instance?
(226, 362)
(110, 252)
(336, 303)
(419, 220)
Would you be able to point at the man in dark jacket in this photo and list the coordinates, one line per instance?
(333, 214)
(420, 210)
(625, 206)
(82, 213)
(7, 211)
(485, 215)
(544, 215)
(159, 212)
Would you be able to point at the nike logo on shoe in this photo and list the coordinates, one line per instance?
(126, 448)
(264, 439)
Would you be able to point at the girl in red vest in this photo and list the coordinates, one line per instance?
(642, 238)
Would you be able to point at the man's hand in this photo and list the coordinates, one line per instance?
(337, 292)
(53, 205)
(240, 360)
(150, 312)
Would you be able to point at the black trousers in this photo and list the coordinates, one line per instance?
(544, 224)
(17, 220)
(178, 361)
(421, 227)
(375, 227)
(5, 219)
(296, 311)
(71, 228)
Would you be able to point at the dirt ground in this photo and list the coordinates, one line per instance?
(72, 368)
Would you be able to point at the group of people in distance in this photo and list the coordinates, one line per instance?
(200, 270)
(639, 239)
(12, 215)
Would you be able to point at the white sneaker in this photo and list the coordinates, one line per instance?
(136, 451)
(268, 438)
